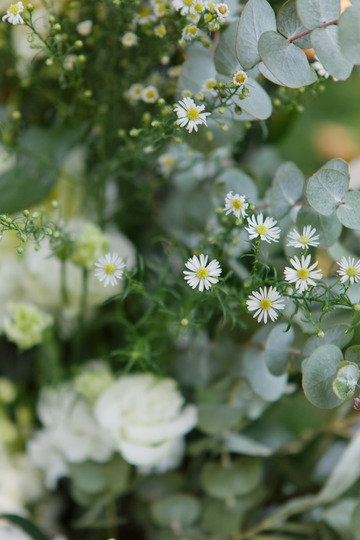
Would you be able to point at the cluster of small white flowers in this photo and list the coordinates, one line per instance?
(213, 15)
(139, 92)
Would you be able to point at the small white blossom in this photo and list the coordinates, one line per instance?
(134, 92)
(129, 39)
(202, 274)
(265, 230)
(150, 94)
(349, 270)
(304, 240)
(222, 11)
(198, 6)
(240, 78)
(236, 204)
(265, 303)
(84, 28)
(190, 115)
(319, 68)
(167, 163)
(184, 6)
(109, 269)
(209, 85)
(302, 274)
(159, 9)
(13, 13)
(190, 32)
(25, 324)
(160, 30)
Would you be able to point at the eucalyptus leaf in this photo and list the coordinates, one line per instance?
(238, 478)
(179, 508)
(336, 334)
(355, 522)
(264, 384)
(286, 190)
(225, 59)
(196, 70)
(289, 24)
(313, 13)
(328, 227)
(238, 443)
(256, 18)
(352, 354)
(319, 373)
(344, 385)
(348, 212)
(338, 517)
(216, 418)
(26, 525)
(285, 60)
(88, 476)
(268, 75)
(239, 182)
(338, 164)
(220, 517)
(257, 103)
(325, 41)
(349, 32)
(277, 349)
(325, 190)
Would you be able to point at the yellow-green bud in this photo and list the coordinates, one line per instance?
(52, 19)
(357, 307)
(222, 110)
(78, 44)
(26, 213)
(57, 27)
(134, 132)
(81, 58)
(29, 7)
(320, 334)
(16, 115)
(224, 127)
(88, 93)
(155, 123)
(184, 322)
(49, 62)
(161, 102)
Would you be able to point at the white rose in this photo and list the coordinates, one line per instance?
(146, 419)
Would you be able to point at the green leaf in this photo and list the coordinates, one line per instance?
(196, 70)
(344, 385)
(325, 190)
(277, 349)
(289, 24)
(238, 478)
(268, 75)
(237, 181)
(327, 48)
(286, 190)
(225, 58)
(349, 33)
(222, 518)
(333, 335)
(256, 18)
(355, 523)
(264, 384)
(313, 13)
(88, 476)
(216, 418)
(27, 526)
(339, 165)
(328, 227)
(179, 508)
(241, 444)
(348, 213)
(257, 103)
(319, 373)
(285, 60)
(352, 354)
(338, 517)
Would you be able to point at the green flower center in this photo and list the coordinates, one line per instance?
(109, 269)
(202, 273)
(265, 304)
(351, 271)
(303, 273)
(193, 114)
(261, 229)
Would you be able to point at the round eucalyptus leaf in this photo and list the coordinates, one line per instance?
(352, 354)
(325, 190)
(328, 227)
(289, 24)
(237, 181)
(225, 58)
(313, 13)
(88, 476)
(196, 70)
(179, 508)
(286, 190)
(338, 164)
(355, 523)
(264, 384)
(277, 349)
(257, 103)
(349, 31)
(348, 212)
(237, 443)
(319, 373)
(256, 18)
(325, 41)
(336, 334)
(344, 385)
(215, 418)
(238, 478)
(268, 75)
(220, 517)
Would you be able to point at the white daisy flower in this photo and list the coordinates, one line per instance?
(198, 6)
(189, 114)
(202, 274)
(265, 302)
(134, 92)
(184, 6)
(129, 39)
(150, 94)
(13, 13)
(265, 230)
(209, 85)
(160, 30)
(109, 269)
(236, 204)
(240, 78)
(191, 30)
(304, 240)
(302, 274)
(84, 28)
(159, 9)
(222, 11)
(349, 270)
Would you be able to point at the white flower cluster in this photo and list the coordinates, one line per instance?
(211, 13)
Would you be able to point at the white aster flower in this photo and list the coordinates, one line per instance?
(84, 27)
(209, 85)
(190, 31)
(198, 6)
(134, 92)
(184, 6)
(129, 39)
(13, 14)
(202, 274)
(109, 269)
(222, 11)
(150, 94)
(159, 9)
(302, 274)
(349, 270)
(236, 204)
(265, 230)
(189, 114)
(240, 78)
(160, 30)
(166, 163)
(304, 240)
(265, 302)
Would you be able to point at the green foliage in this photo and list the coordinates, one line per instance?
(319, 372)
(178, 508)
(349, 25)
(26, 525)
(238, 478)
(313, 13)
(287, 189)
(277, 349)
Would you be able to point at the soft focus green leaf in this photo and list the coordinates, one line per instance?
(344, 385)
(216, 418)
(319, 373)
(348, 212)
(285, 60)
(338, 517)
(315, 12)
(327, 48)
(335, 334)
(352, 354)
(237, 181)
(326, 189)
(286, 190)
(289, 24)
(266, 385)
(355, 522)
(220, 517)
(328, 227)
(26, 525)
(277, 349)
(349, 32)
(179, 508)
(241, 444)
(238, 478)
(257, 103)
(225, 58)
(88, 476)
(257, 17)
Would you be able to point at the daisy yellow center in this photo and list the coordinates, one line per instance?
(198, 8)
(261, 229)
(237, 204)
(202, 273)
(150, 93)
(304, 240)
(144, 12)
(240, 78)
(109, 268)
(222, 10)
(192, 114)
(188, 2)
(303, 273)
(193, 31)
(351, 271)
(14, 10)
(265, 304)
